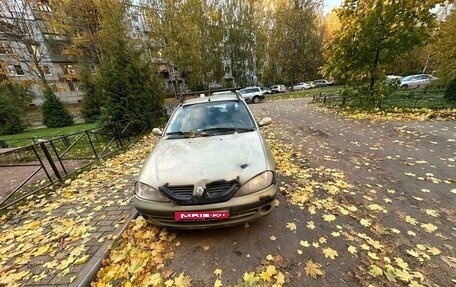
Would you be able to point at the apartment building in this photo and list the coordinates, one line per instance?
(31, 51)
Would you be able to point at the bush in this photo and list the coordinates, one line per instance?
(55, 114)
(10, 119)
(450, 92)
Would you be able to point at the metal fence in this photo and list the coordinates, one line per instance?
(402, 99)
(27, 170)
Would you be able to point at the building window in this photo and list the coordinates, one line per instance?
(46, 69)
(15, 70)
(72, 86)
(5, 48)
(54, 87)
(19, 70)
(68, 69)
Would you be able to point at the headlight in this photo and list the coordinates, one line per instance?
(146, 192)
(257, 183)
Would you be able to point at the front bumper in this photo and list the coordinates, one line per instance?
(242, 209)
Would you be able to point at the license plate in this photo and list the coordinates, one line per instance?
(201, 215)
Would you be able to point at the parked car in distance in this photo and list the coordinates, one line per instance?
(252, 94)
(321, 83)
(301, 86)
(211, 167)
(417, 81)
(278, 89)
(266, 90)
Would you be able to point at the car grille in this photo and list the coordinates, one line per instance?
(217, 191)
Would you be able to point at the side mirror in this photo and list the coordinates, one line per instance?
(157, 132)
(265, 122)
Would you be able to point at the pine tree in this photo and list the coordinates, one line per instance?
(10, 117)
(126, 80)
(55, 114)
(91, 103)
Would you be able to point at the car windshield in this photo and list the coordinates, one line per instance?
(211, 118)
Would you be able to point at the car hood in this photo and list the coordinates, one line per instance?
(203, 160)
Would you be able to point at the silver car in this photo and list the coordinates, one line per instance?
(417, 81)
(210, 168)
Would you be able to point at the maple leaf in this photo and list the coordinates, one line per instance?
(272, 237)
(352, 249)
(365, 222)
(250, 278)
(304, 243)
(434, 251)
(373, 255)
(413, 283)
(411, 220)
(291, 226)
(182, 281)
(313, 269)
(280, 279)
(267, 274)
(41, 250)
(412, 253)
(329, 217)
(330, 253)
(375, 271)
(218, 283)
(432, 212)
(401, 263)
(153, 280)
(403, 275)
(389, 273)
(310, 225)
(429, 227)
(218, 272)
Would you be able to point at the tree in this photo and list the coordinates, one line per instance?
(332, 25)
(10, 116)
(126, 81)
(55, 114)
(20, 27)
(295, 42)
(375, 33)
(80, 21)
(91, 102)
(444, 48)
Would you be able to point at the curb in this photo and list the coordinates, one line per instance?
(91, 268)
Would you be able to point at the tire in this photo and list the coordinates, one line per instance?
(255, 100)
(404, 87)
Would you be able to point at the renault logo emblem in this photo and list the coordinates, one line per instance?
(199, 191)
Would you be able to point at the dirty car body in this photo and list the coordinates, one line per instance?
(210, 168)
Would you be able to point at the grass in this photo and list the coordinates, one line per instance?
(26, 137)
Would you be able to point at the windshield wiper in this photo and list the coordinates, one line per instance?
(225, 130)
(188, 134)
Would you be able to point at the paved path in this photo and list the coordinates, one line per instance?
(59, 239)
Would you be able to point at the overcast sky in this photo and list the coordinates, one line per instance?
(330, 4)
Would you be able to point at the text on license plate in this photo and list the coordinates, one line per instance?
(201, 215)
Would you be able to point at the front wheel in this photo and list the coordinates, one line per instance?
(256, 100)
